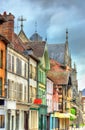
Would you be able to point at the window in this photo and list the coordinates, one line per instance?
(25, 70)
(9, 62)
(1, 58)
(25, 93)
(0, 86)
(12, 63)
(19, 67)
(34, 72)
(30, 70)
(2, 121)
(19, 92)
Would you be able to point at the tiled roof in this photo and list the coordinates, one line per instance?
(56, 66)
(57, 52)
(38, 48)
(17, 43)
(58, 73)
(4, 39)
(59, 78)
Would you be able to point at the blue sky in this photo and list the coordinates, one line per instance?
(53, 17)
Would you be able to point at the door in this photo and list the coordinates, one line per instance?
(48, 122)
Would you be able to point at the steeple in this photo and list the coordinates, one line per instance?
(74, 66)
(66, 35)
(21, 19)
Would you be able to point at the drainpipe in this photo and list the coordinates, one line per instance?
(28, 92)
(6, 80)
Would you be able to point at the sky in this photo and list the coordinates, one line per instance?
(53, 17)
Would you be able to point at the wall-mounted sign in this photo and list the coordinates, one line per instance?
(38, 101)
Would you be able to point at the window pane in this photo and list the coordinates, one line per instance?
(12, 63)
(9, 62)
(18, 66)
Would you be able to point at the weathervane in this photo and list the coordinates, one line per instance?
(21, 19)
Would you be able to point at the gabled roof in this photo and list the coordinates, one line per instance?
(59, 78)
(58, 73)
(17, 44)
(57, 52)
(23, 37)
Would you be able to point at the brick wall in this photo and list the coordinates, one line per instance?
(7, 25)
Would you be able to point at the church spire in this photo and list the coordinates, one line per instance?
(21, 19)
(74, 66)
(35, 27)
(66, 35)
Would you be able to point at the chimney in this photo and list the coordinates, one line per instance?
(7, 25)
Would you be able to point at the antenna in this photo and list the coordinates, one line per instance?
(21, 19)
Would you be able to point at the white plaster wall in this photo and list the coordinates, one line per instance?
(34, 64)
(49, 86)
(49, 103)
(21, 80)
(21, 57)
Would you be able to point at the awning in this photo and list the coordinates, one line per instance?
(63, 115)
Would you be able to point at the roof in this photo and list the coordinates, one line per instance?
(56, 66)
(58, 73)
(57, 52)
(23, 36)
(2, 38)
(17, 43)
(59, 78)
(38, 48)
(36, 37)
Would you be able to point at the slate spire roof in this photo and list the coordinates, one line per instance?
(36, 37)
(60, 52)
(57, 52)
